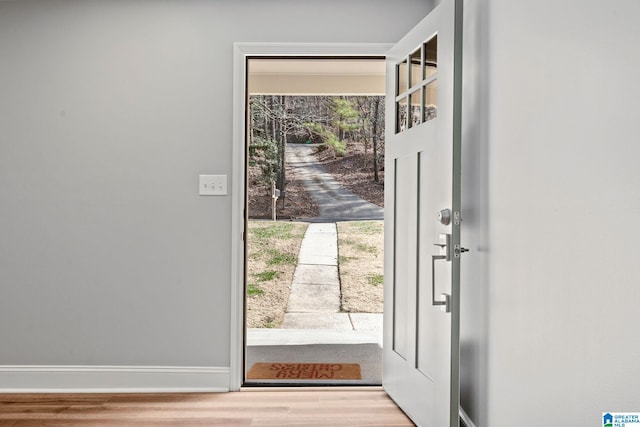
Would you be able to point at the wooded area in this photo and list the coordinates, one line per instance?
(334, 123)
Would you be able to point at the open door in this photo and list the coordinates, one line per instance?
(422, 219)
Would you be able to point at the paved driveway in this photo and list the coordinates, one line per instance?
(335, 202)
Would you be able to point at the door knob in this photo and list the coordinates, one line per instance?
(444, 216)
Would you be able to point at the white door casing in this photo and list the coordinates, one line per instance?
(241, 52)
(422, 252)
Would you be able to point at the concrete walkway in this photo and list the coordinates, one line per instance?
(315, 290)
(333, 200)
(313, 312)
(314, 301)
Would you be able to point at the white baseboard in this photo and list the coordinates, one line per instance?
(112, 379)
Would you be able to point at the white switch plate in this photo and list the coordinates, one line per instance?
(213, 185)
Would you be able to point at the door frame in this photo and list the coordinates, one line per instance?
(242, 51)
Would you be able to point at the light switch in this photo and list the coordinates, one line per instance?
(213, 185)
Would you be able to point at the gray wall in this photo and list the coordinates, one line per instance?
(109, 110)
(550, 289)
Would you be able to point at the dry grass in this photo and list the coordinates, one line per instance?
(271, 260)
(361, 260)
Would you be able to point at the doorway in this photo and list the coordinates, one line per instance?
(445, 21)
(309, 319)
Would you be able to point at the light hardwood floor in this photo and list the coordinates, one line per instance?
(250, 407)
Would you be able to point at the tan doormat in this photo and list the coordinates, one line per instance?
(304, 371)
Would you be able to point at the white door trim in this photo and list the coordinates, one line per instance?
(240, 53)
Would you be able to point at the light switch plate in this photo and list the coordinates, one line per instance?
(213, 185)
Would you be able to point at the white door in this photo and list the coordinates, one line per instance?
(422, 219)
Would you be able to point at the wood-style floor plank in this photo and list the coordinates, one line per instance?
(250, 407)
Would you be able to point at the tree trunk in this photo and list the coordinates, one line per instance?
(281, 147)
(374, 141)
(265, 131)
(273, 118)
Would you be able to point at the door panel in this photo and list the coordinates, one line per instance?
(404, 266)
(421, 337)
